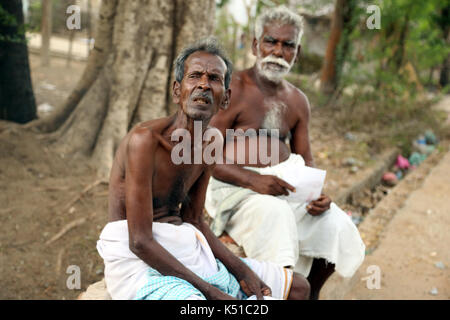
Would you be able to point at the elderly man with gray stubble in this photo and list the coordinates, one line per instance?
(249, 201)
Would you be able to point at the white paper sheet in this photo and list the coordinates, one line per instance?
(308, 183)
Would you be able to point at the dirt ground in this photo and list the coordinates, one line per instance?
(42, 196)
(414, 252)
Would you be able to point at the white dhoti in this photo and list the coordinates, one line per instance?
(278, 230)
(129, 277)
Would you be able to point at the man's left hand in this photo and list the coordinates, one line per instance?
(319, 206)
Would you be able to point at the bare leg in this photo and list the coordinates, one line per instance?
(300, 289)
(320, 272)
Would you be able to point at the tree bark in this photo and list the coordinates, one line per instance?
(338, 45)
(128, 78)
(444, 75)
(328, 74)
(17, 101)
(46, 32)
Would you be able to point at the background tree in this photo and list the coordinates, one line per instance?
(17, 101)
(444, 23)
(46, 32)
(128, 77)
(342, 24)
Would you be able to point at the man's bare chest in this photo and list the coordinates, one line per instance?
(265, 113)
(171, 183)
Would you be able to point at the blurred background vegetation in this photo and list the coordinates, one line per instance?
(386, 79)
(381, 81)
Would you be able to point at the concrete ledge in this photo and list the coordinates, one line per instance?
(371, 178)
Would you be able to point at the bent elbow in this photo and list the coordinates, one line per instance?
(139, 245)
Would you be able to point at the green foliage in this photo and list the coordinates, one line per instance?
(388, 118)
(35, 15)
(9, 22)
(411, 32)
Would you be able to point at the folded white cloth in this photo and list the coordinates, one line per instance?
(126, 274)
(280, 230)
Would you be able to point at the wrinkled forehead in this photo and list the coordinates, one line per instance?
(205, 61)
(280, 31)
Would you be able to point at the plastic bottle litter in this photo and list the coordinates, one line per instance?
(434, 291)
(416, 158)
(430, 137)
(389, 179)
(402, 162)
(356, 220)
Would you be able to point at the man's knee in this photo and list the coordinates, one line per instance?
(335, 218)
(300, 289)
(267, 206)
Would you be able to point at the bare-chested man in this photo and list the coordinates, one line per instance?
(247, 200)
(156, 244)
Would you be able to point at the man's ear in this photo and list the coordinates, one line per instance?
(176, 91)
(298, 53)
(226, 99)
(254, 47)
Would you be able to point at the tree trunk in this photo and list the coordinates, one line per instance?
(17, 101)
(128, 78)
(69, 52)
(89, 27)
(46, 32)
(444, 76)
(338, 45)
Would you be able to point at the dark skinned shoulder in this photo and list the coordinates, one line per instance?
(302, 102)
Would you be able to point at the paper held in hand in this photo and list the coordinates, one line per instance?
(308, 183)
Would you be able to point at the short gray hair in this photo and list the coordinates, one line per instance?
(209, 45)
(281, 15)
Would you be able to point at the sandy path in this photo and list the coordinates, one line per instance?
(415, 241)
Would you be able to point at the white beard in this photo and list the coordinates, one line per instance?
(274, 73)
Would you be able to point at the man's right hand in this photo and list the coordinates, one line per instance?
(268, 184)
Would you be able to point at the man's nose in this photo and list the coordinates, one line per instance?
(278, 50)
(204, 82)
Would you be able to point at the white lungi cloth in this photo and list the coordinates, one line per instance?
(276, 229)
(125, 273)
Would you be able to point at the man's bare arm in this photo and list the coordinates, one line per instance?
(300, 134)
(192, 212)
(300, 145)
(139, 207)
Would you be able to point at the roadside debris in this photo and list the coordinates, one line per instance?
(422, 147)
(434, 291)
